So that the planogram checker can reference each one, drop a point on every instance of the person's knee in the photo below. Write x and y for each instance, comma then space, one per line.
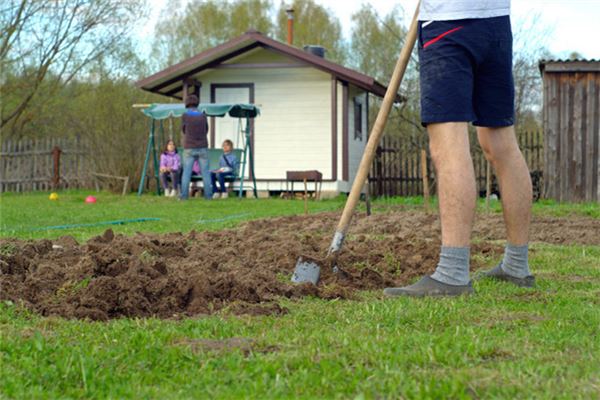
489, 151
498, 143
448, 141
498, 149
443, 155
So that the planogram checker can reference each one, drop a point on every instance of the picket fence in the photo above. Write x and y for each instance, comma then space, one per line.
44, 164
396, 169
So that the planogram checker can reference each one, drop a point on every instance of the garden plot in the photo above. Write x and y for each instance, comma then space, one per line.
245, 270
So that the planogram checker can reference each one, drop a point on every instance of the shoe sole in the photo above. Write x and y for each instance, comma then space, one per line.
429, 294
520, 282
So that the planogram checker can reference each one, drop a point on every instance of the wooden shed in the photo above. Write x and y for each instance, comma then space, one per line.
313, 111
572, 129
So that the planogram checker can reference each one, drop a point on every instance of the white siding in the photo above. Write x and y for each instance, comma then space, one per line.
293, 131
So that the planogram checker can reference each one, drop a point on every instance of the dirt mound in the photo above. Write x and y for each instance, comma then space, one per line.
245, 270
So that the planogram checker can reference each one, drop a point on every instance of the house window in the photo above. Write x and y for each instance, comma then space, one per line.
358, 134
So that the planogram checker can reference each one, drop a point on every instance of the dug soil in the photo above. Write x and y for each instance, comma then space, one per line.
245, 270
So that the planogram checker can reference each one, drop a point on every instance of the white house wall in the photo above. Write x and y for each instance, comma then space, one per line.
293, 131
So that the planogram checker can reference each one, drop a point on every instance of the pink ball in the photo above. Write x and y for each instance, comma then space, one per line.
90, 199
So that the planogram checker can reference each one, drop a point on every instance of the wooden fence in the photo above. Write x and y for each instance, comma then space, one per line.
44, 164
572, 125
396, 170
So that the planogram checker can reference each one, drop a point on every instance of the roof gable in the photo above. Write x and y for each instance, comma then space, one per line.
261, 55
170, 80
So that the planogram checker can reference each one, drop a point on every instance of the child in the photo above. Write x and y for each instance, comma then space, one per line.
227, 167
170, 163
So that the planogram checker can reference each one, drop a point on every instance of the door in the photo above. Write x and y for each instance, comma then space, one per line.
227, 127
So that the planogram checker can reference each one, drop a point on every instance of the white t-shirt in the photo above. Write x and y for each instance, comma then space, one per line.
443, 10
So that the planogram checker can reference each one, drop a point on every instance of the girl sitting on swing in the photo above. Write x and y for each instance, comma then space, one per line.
227, 168
170, 166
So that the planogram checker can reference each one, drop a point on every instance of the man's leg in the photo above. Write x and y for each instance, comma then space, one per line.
204, 169
188, 163
502, 151
450, 151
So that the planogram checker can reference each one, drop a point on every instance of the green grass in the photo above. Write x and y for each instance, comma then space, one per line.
33, 216
29, 216
503, 342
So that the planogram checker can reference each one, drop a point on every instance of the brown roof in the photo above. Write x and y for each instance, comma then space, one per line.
170, 80
577, 65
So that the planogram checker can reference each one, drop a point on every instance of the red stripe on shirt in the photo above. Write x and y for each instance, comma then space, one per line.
432, 41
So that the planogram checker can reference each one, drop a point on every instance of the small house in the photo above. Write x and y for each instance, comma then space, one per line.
313, 111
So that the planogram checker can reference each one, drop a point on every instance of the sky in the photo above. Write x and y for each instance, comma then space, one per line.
564, 26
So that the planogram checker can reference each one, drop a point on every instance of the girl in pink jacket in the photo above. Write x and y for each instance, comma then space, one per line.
170, 169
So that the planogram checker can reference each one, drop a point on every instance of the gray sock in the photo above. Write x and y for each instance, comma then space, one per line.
453, 267
515, 262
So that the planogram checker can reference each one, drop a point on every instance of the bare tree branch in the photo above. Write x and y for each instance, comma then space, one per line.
54, 41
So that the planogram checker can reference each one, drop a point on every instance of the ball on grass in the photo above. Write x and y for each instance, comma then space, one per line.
53, 196
90, 199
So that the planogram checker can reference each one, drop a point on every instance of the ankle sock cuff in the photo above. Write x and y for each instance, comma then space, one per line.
453, 267
516, 260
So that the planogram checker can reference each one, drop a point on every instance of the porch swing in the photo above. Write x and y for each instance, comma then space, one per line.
160, 112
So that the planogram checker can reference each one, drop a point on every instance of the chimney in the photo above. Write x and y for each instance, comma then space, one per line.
290, 18
318, 51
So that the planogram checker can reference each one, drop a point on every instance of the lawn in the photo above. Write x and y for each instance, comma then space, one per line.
503, 342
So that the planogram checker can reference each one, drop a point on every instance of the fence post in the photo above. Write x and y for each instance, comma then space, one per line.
367, 197
56, 170
379, 170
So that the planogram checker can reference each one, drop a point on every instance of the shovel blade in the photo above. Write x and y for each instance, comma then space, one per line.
306, 271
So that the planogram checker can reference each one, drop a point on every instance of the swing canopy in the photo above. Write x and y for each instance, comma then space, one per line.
239, 110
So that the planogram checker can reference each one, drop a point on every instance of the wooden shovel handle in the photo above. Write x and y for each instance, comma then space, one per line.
377, 131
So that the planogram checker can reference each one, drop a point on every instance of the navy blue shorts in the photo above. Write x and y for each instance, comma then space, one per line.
466, 71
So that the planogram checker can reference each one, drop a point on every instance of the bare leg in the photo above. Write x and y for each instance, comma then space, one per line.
449, 146
502, 151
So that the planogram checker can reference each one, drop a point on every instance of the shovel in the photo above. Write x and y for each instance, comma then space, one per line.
309, 270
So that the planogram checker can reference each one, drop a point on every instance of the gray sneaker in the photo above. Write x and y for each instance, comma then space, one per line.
498, 273
428, 286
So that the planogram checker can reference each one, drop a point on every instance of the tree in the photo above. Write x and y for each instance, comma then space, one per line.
526, 74
46, 44
376, 42
376, 45
203, 24
313, 25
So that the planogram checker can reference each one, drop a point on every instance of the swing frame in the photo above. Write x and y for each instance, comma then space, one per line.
159, 112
